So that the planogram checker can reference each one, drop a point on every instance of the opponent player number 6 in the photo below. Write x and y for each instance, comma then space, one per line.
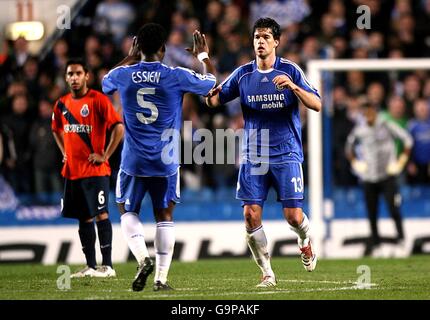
146, 104
101, 197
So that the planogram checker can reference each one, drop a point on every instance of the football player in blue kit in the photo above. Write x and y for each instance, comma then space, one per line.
151, 96
270, 89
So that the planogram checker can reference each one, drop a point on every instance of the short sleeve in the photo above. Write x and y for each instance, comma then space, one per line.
299, 78
230, 88
109, 82
191, 81
56, 122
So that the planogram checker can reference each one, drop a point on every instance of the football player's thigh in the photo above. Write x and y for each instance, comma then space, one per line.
288, 180
131, 191
159, 190
253, 184
96, 190
73, 202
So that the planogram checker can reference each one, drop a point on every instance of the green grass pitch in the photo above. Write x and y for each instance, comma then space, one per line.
232, 279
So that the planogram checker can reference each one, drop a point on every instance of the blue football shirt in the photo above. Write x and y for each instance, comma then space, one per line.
151, 95
272, 120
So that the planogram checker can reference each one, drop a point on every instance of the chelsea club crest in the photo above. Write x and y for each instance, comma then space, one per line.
280, 88
85, 111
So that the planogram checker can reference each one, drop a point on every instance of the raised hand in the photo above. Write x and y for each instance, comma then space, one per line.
134, 49
199, 44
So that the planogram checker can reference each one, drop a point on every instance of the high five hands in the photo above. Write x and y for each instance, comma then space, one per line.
199, 44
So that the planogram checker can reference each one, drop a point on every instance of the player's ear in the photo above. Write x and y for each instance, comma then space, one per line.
276, 43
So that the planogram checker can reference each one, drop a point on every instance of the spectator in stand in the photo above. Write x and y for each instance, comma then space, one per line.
18, 164
396, 114
30, 74
376, 95
419, 128
45, 155
117, 16
411, 92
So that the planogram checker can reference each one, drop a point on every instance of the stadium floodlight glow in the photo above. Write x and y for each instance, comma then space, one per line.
30, 30
318, 206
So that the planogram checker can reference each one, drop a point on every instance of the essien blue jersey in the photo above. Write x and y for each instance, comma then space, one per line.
268, 108
151, 96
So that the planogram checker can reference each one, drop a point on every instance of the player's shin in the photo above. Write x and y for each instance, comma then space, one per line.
164, 245
132, 230
87, 234
302, 231
257, 242
104, 228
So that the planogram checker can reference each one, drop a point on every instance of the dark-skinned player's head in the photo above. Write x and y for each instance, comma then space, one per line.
151, 39
268, 23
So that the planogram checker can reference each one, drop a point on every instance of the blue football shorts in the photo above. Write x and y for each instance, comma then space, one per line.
131, 190
254, 183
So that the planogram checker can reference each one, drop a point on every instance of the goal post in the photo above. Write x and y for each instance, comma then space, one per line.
318, 206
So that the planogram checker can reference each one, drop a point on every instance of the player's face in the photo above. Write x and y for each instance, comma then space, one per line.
76, 77
264, 43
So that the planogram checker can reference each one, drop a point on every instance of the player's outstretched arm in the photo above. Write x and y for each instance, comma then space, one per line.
309, 99
212, 99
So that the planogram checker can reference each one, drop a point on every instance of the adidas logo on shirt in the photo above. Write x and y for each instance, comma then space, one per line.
264, 79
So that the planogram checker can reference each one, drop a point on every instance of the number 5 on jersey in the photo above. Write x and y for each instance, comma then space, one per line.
147, 105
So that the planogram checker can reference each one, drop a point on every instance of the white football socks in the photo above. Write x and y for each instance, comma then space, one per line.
164, 244
302, 231
257, 242
132, 229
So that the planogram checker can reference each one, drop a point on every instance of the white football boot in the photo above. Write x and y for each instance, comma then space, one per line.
267, 282
85, 272
105, 272
309, 258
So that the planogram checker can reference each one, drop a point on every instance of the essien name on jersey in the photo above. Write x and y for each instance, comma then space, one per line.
146, 76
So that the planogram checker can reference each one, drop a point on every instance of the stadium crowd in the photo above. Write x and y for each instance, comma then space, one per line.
314, 29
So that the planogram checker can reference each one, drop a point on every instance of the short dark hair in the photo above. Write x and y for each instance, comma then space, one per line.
78, 61
267, 22
150, 38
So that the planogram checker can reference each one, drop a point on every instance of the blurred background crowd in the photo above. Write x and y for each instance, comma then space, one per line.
315, 29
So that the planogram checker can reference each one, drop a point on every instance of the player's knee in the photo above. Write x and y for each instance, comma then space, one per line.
252, 218
163, 215
293, 217
102, 216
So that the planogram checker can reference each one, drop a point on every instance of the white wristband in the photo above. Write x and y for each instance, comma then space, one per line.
202, 55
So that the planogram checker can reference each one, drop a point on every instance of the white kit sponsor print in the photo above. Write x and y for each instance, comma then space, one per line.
198, 240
